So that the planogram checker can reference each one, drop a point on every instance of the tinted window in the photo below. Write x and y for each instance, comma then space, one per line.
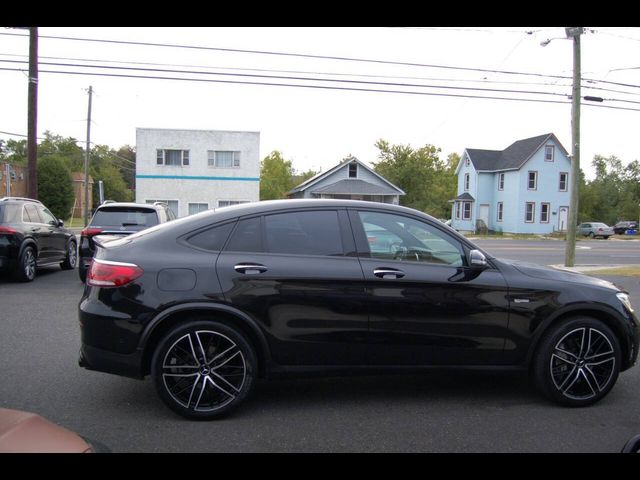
395, 237
47, 216
212, 238
30, 214
125, 216
305, 233
247, 237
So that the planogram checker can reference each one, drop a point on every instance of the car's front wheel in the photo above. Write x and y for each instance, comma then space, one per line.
577, 362
203, 369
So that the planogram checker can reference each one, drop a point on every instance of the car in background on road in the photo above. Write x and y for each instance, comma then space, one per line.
31, 237
209, 303
119, 219
621, 227
595, 229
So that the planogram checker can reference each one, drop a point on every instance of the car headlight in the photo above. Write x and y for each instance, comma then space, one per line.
624, 298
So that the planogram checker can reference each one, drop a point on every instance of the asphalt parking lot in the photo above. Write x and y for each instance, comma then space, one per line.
431, 412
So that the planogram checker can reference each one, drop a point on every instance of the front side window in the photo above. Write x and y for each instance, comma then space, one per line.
304, 233
532, 181
47, 216
395, 237
223, 158
529, 212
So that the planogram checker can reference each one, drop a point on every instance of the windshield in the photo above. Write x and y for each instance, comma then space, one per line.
124, 217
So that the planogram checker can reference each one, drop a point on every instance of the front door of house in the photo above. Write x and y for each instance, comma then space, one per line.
563, 217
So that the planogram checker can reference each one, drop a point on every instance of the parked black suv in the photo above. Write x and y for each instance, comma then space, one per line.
31, 236
208, 303
121, 219
621, 227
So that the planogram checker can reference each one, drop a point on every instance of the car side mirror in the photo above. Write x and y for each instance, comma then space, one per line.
60, 223
477, 259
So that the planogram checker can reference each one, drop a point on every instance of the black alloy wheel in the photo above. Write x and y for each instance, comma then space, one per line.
578, 362
203, 369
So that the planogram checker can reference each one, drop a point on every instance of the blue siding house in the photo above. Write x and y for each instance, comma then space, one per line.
522, 189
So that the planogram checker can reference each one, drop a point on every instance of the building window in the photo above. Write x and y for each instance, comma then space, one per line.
466, 162
173, 204
532, 182
227, 203
197, 207
548, 153
172, 157
353, 170
466, 182
544, 212
458, 210
564, 176
500, 211
466, 210
529, 212
223, 158
501, 181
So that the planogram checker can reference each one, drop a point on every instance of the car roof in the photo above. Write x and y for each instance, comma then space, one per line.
150, 206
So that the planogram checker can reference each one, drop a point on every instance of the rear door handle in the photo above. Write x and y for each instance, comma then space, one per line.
250, 268
388, 273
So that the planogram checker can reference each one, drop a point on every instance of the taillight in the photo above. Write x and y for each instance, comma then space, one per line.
8, 230
90, 231
103, 273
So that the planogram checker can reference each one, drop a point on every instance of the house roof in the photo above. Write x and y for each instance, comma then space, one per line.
464, 197
355, 187
511, 158
322, 175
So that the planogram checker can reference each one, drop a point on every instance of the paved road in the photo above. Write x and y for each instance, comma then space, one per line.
434, 412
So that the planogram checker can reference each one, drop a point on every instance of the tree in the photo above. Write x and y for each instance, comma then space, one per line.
55, 187
276, 176
428, 181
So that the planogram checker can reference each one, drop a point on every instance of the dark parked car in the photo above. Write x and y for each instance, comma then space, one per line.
31, 237
209, 303
621, 228
119, 219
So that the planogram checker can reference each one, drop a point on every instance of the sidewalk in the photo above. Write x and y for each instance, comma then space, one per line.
594, 268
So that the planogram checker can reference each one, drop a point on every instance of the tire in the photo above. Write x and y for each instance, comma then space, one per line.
203, 370
577, 362
592, 235
71, 258
27, 264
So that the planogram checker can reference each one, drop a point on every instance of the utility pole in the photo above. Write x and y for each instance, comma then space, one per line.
570, 251
86, 163
32, 121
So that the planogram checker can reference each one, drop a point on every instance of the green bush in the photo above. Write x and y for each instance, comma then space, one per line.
55, 186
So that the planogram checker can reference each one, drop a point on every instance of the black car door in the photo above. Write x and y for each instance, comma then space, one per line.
426, 306
57, 236
297, 274
39, 231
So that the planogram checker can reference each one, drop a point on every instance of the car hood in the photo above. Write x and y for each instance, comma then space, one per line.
554, 274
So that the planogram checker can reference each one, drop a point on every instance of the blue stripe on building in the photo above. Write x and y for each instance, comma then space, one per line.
195, 177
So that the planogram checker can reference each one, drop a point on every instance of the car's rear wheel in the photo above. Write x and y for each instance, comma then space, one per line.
71, 258
203, 369
577, 362
27, 265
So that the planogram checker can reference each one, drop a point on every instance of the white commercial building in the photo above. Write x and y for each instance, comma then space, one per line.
195, 170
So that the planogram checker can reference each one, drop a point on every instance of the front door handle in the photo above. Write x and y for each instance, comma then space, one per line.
250, 268
388, 273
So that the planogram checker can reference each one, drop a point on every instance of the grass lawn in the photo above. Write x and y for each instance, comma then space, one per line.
628, 271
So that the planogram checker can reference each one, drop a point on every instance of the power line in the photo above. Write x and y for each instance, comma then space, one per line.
324, 87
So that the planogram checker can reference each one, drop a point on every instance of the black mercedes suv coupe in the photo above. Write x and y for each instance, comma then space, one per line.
209, 303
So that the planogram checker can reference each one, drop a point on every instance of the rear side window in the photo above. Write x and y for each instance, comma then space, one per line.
304, 233
124, 217
212, 238
247, 236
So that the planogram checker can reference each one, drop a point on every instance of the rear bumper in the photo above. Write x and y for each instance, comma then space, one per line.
99, 360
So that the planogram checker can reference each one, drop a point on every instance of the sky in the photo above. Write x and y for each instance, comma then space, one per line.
317, 127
